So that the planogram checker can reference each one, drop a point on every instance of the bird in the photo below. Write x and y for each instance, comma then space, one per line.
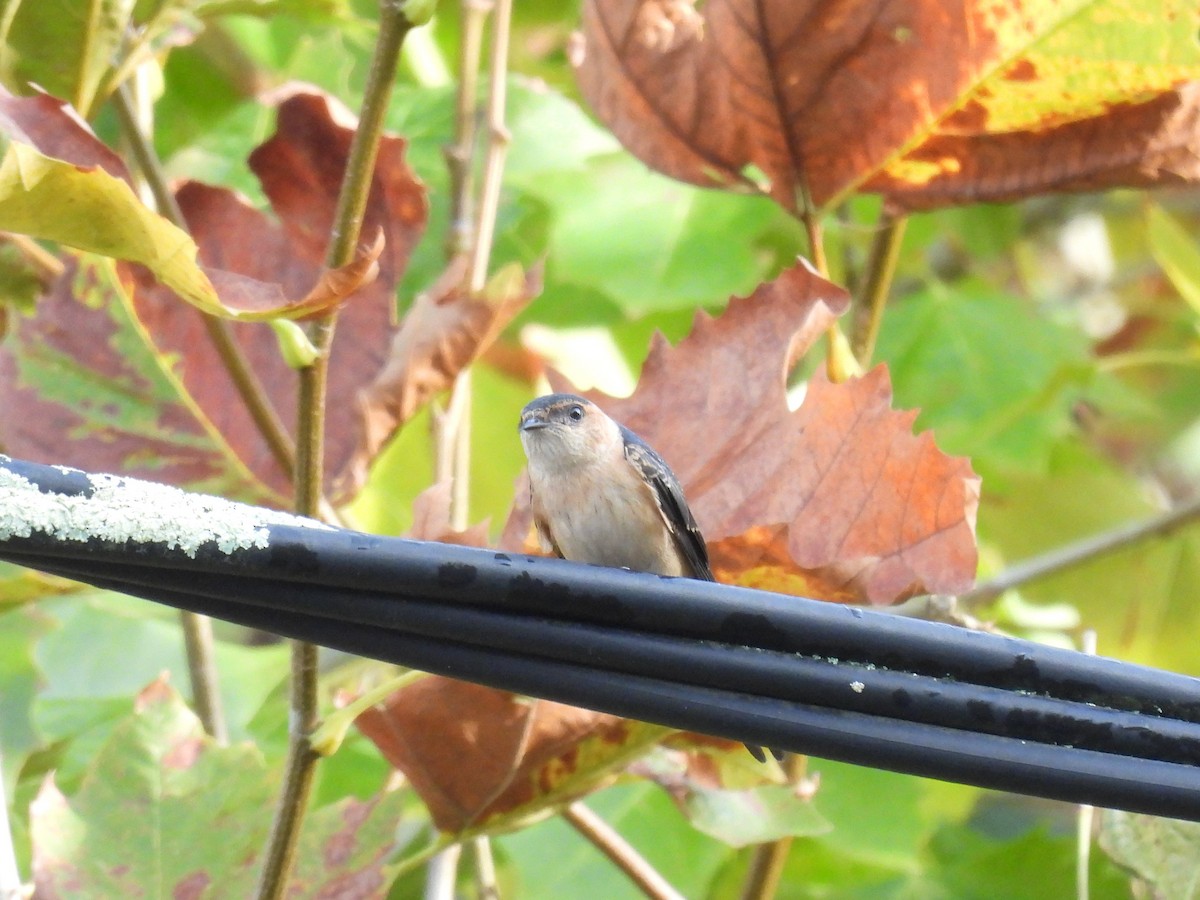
602, 495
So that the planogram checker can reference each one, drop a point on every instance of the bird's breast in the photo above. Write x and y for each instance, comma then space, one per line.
606, 518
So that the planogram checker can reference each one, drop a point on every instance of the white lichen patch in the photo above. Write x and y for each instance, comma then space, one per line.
124, 509
857, 686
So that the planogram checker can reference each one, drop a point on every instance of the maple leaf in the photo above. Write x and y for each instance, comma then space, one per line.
474, 753
157, 401
926, 102
836, 500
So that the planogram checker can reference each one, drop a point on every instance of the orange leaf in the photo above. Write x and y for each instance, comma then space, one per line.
928, 102
473, 752
837, 499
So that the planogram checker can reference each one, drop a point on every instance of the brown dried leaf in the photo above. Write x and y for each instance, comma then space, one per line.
928, 102
207, 438
444, 332
431, 520
837, 499
474, 753
54, 128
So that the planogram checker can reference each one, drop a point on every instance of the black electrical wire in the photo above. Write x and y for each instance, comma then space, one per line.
815, 681
1061, 773
777, 671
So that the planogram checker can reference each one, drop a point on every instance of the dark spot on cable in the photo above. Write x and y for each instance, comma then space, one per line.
455, 575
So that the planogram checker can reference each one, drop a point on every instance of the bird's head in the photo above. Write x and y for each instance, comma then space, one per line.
562, 431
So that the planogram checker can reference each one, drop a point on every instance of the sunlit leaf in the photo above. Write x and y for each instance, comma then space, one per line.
926, 103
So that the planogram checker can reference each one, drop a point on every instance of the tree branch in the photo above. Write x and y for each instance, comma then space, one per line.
881, 269
197, 631
606, 839
344, 236
1081, 552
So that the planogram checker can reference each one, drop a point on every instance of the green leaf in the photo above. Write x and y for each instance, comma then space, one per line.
20, 629
91, 210
646, 817
80, 673
1036, 864
653, 244
742, 818
992, 380
1141, 600
1177, 252
66, 47
161, 807
1162, 852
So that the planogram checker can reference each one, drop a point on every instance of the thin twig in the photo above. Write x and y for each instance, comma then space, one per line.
245, 381
485, 869
10, 875
48, 267
481, 248
1080, 552
344, 238
442, 874
881, 269
766, 866
605, 838
459, 154
497, 148
202, 670
839, 362
197, 631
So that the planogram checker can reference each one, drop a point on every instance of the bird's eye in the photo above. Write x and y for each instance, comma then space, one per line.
576, 413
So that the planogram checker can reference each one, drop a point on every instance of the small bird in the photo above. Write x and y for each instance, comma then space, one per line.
602, 495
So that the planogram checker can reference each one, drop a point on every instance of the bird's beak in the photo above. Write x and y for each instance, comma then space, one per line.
530, 422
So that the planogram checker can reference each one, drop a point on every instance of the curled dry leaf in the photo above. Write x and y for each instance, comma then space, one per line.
836, 500
446, 330
474, 753
927, 102
174, 412
60, 183
431, 520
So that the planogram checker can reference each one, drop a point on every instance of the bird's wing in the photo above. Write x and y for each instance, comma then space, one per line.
671, 503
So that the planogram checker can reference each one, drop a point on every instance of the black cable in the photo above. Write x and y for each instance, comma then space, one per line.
679, 607
820, 682
1062, 773
763, 668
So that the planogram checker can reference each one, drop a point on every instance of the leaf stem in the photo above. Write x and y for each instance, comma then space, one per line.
606, 839
202, 672
10, 875
394, 26
497, 148
485, 868
458, 419
197, 631
245, 381
881, 270
766, 866
839, 362
459, 154
49, 268
1080, 552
